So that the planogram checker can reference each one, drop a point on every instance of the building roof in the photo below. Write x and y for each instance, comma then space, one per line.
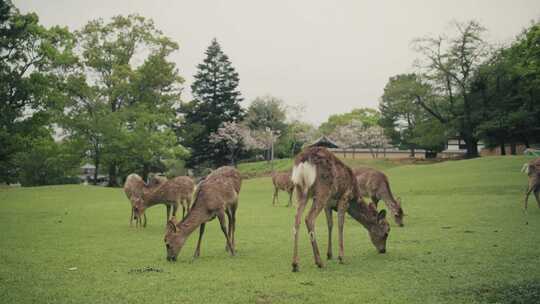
324, 141
88, 166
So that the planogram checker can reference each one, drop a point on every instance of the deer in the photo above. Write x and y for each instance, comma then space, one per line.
282, 181
532, 169
159, 190
320, 175
374, 184
216, 196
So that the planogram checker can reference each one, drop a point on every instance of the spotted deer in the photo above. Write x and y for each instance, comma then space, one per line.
159, 190
282, 181
320, 175
374, 184
532, 169
216, 196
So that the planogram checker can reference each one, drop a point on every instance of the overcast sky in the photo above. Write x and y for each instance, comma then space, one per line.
331, 56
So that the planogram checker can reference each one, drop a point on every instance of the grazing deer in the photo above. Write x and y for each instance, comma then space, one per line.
533, 171
319, 174
282, 181
374, 184
159, 190
216, 196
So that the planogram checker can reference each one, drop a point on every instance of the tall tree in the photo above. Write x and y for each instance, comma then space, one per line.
368, 117
449, 64
122, 97
403, 120
508, 87
32, 61
216, 101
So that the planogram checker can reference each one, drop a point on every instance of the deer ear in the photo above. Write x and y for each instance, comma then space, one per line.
171, 226
381, 215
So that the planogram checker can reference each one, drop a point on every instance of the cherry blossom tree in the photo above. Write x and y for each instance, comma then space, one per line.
234, 137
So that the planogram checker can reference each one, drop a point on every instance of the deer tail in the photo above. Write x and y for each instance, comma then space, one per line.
303, 175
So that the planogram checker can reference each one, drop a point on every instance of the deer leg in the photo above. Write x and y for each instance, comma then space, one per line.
188, 203
144, 219
302, 201
529, 190
537, 195
221, 217
168, 212
290, 198
316, 208
375, 200
229, 230
330, 223
276, 197
341, 224
198, 249
233, 215
131, 218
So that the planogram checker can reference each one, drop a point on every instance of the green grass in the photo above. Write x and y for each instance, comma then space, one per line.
465, 241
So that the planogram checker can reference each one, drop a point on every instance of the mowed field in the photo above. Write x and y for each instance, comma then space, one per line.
464, 241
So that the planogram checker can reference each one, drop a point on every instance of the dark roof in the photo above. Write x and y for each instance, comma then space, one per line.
324, 141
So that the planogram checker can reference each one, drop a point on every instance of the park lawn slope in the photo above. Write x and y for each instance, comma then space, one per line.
464, 241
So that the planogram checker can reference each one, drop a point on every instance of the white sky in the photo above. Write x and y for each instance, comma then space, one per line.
331, 56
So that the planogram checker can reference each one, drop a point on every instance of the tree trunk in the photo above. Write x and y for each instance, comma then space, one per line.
146, 171
96, 170
112, 176
513, 148
503, 148
413, 154
472, 146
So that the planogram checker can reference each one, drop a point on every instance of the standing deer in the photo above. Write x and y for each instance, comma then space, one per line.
159, 190
533, 171
282, 181
319, 174
374, 184
216, 196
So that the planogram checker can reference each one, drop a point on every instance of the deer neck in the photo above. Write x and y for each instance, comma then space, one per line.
360, 211
193, 220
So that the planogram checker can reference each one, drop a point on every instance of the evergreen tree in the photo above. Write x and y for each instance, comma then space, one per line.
216, 101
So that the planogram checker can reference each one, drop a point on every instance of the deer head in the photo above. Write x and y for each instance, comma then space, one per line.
378, 231
174, 240
138, 208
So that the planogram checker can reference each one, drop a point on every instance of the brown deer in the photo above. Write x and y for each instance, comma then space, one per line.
216, 196
159, 190
319, 174
533, 171
374, 184
282, 181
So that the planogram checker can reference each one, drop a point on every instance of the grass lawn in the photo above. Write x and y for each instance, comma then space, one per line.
464, 241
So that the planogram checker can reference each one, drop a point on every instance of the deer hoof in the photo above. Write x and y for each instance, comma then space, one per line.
329, 256
295, 267
320, 265
341, 260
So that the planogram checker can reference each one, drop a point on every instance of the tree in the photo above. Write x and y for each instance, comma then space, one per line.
267, 112
120, 108
216, 101
507, 86
367, 116
234, 137
409, 125
32, 61
374, 139
449, 65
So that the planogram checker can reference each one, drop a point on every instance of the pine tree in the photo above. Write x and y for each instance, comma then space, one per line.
216, 100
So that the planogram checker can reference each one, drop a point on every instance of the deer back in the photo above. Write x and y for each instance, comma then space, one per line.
218, 190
